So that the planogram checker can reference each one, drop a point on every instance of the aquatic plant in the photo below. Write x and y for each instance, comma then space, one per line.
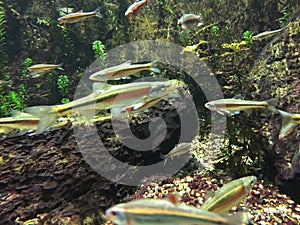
62, 83
43, 21
215, 30
13, 101
286, 13
27, 62
185, 37
99, 49
248, 37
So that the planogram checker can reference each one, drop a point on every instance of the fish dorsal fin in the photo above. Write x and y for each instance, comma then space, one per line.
18, 114
80, 11
128, 62
209, 194
99, 86
173, 198
239, 96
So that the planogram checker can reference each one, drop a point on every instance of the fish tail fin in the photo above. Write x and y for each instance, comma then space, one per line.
272, 103
153, 67
98, 13
162, 156
60, 66
287, 126
46, 114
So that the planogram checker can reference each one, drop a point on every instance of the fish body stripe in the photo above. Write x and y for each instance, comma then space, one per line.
239, 105
236, 194
102, 100
174, 214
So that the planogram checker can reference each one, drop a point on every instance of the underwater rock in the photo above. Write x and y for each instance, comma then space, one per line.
276, 75
45, 178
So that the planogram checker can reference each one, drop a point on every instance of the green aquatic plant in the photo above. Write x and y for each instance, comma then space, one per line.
186, 37
13, 101
43, 21
100, 52
27, 63
215, 30
99, 48
63, 83
248, 37
286, 13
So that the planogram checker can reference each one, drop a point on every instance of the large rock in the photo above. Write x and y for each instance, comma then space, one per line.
276, 75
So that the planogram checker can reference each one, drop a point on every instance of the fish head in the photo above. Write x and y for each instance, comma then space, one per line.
129, 13
161, 89
61, 20
99, 76
116, 215
249, 182
210, 106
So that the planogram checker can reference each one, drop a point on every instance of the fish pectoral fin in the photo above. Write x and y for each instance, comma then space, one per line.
100, 86
35, 75
155, 70
117, 110
227, 113
248, 111
173, 198
183, 26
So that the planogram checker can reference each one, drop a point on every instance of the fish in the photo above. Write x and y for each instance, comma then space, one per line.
123, 71
229, 195
39, 69
232, 106
79, 16
188, 21
289, 121
179, 149
166, 212
5, 83
135, 8
24, 122
111, 5
115, 97
267, 34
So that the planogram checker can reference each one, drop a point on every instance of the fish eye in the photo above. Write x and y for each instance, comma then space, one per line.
114, 213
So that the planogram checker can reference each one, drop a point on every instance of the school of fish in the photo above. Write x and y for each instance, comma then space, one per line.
138, 96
